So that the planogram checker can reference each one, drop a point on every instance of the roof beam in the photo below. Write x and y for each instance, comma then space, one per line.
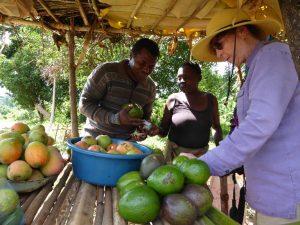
82, 13
95, 7
134, 12
46, 7
59, 26
171, 6
196, 11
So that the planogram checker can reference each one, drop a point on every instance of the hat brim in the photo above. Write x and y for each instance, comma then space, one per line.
203, 52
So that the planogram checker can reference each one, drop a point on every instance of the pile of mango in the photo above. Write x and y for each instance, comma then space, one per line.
28, 154
104, 144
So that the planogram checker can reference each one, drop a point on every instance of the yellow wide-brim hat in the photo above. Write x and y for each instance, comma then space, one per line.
227, 19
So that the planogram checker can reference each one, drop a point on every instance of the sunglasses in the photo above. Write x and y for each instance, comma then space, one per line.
217, 45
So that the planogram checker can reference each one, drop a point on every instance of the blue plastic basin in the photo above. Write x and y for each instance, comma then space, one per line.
103, 168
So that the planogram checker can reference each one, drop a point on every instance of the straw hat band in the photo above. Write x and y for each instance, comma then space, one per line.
233, 25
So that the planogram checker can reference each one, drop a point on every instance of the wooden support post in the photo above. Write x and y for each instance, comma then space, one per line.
72, 82
290, 10
224, 194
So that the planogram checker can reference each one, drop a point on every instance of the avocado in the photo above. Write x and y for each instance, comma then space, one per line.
178, 210
150, 163
200, 196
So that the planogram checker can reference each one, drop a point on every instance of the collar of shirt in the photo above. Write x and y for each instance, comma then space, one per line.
125, 64
254, 52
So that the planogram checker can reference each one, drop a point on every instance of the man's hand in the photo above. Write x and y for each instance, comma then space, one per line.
125, 119
138, 136
154, 130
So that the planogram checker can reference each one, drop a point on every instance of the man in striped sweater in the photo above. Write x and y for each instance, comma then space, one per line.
113, 84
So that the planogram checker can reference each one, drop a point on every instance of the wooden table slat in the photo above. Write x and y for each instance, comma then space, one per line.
55, 213
29, 200
117, 219
83, 210
68, 203
23, 197
99, 206
36, 203
107, 216
46, 207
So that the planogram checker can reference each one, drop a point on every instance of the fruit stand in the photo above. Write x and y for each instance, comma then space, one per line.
67, 200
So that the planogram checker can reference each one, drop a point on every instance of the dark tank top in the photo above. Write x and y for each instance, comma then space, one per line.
190, 128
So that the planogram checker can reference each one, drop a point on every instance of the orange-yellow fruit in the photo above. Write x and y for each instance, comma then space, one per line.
82, 144
112, 146
55, 163
19, 171
36, 175
113, 152
96, 148
20, 127
36, 154
10, 150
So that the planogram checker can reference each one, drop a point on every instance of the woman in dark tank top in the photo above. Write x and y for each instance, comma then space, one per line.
189, 115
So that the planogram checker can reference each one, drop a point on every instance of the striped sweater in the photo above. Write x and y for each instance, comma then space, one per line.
108, 88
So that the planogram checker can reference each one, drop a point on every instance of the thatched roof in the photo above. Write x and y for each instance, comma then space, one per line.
168, 17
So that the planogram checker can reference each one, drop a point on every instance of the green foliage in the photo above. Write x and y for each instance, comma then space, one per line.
165, 73
158, 110
20, 76
32, 52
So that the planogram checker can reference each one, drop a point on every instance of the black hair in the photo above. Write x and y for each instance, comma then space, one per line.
195, 67
145, 43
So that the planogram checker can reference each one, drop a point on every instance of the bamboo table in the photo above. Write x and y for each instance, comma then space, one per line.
68, 200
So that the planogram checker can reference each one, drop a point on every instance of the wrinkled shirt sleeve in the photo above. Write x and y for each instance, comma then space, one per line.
271, 88
91, 96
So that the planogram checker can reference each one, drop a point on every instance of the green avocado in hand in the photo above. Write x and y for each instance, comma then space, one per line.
136, 110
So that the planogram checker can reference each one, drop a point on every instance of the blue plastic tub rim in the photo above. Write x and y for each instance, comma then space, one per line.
146, 150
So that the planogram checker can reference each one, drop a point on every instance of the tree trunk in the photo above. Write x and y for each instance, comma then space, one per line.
43, 113
72, 82
290, 10
53, 102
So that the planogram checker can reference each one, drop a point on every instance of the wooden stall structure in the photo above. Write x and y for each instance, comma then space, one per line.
86, 18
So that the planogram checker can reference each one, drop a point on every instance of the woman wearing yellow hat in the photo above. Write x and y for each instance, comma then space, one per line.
267, 139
